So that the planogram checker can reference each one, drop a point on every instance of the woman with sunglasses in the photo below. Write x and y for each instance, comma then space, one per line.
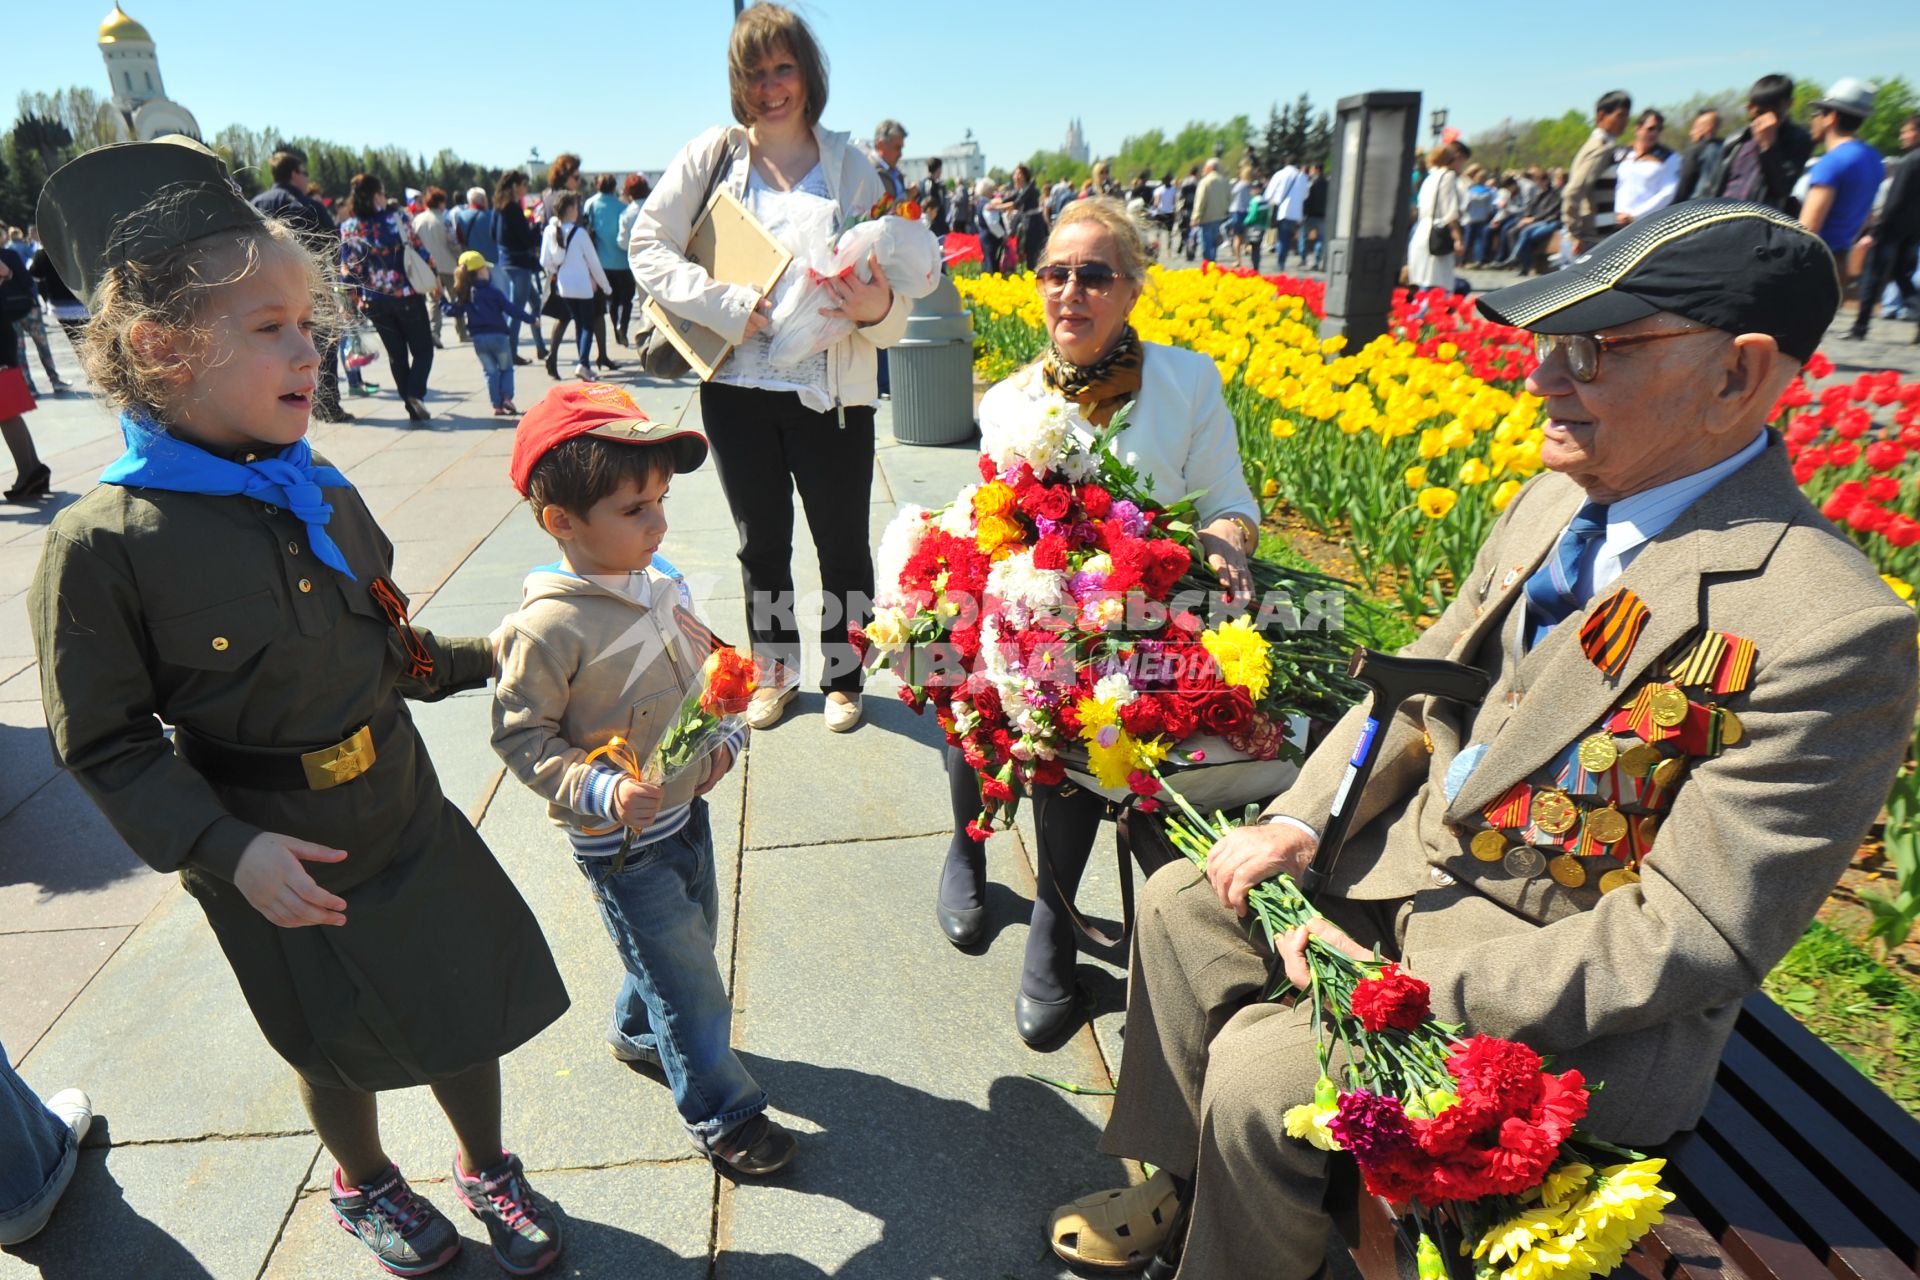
1181, 439
775, 429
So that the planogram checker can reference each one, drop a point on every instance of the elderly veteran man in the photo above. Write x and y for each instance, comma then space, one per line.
1610, 852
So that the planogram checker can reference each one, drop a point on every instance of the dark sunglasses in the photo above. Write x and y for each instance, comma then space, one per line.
1094, 277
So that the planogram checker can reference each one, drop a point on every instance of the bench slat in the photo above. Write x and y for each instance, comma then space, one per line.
1796, 1193
1680, 1248
1751, 1232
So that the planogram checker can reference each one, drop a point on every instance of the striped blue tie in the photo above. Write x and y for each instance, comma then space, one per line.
1553, 592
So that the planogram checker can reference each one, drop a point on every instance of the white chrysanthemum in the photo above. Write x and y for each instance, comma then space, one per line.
1024, 589
897, 545
1078, 467
1115, 688
1037, 430
957, 520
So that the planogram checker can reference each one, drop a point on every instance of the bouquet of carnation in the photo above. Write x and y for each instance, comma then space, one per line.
908, 254
1474, 1136
1056, 613
713, 710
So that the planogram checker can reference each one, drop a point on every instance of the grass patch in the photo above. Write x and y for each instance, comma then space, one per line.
1866, 1012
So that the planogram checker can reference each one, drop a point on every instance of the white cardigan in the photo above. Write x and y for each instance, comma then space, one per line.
576, 267
1179, 435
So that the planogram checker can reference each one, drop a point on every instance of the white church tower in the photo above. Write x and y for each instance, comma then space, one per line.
140, 108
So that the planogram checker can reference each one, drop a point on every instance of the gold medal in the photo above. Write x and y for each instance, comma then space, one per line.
1524, 862
1607, 825
1638, 760
1618, 878
1567, 871
1598, 752
1669, 707
1731, 730
1554, 812
1649, 827
1489, 846
1667, 774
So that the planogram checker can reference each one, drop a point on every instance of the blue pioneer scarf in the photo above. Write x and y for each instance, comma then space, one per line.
156, 460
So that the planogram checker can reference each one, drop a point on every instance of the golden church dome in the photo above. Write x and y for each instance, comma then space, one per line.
119, 26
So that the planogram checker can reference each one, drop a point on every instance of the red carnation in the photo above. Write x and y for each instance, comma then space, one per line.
977, 833
987, 472
1392, 999
1097, 501
1050, 552
1049, 773
1144, 717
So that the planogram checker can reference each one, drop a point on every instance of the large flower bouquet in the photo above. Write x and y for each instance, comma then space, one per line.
1475, 1136
1058, 613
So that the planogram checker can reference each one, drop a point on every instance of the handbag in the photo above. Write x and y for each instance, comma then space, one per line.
1439, 241
421, 278
552, 305
658, 356
15, 399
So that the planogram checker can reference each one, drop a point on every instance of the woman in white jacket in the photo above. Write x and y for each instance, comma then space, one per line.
567, 254
1181, 440
1437, 206
774, 429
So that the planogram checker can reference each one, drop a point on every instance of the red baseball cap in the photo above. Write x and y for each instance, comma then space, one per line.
600, 409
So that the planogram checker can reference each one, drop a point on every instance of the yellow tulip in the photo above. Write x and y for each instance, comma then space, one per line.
1504, 494
1416, 477
1436, 502
1474, 471
1282, 429
1271, 489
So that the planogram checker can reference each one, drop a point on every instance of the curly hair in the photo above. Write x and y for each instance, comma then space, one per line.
175, 292
564, 166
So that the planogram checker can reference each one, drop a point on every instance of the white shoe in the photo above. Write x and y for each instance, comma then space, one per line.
76, 1111
583, 373
768, 705
843, 716
74, 1107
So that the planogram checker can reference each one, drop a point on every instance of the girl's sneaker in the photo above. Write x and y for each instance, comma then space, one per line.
524, 1227
405, 1234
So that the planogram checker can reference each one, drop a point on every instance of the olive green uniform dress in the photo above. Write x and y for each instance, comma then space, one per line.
213, 613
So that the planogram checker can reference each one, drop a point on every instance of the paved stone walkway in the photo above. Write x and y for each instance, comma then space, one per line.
927, 1150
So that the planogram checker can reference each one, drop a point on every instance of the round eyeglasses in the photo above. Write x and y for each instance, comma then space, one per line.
1584, 349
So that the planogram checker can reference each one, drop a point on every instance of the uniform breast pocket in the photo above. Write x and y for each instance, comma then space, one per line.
650, 717
220, 637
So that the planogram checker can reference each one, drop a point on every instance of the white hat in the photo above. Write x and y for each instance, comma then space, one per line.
1854, 97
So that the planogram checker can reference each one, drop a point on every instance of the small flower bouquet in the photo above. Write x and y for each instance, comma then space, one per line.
713, 709
1474, 1136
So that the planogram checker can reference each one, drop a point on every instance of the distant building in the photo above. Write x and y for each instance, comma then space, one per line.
139, 110
1076, 147
962, 162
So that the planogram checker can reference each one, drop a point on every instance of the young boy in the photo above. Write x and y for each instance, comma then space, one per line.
599, 651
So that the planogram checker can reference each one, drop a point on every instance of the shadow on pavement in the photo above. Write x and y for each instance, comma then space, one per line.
54, 837
95, 1232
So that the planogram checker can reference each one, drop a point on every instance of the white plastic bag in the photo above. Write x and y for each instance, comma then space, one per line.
908, 254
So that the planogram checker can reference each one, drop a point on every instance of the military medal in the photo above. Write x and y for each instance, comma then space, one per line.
1511, 809
1732, 732
1524, 862
1554, 812
1669, 706
1619, 878
1567, 871
1647, 828
1612, 629
1489, 846
1736, 669
1638, 761
1667, 774
1700, 664
1598, 752
1608, 825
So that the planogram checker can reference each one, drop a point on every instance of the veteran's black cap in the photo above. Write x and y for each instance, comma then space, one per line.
1732, 264
84, 211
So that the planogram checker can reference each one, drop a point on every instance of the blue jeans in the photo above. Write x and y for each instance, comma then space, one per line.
518, 284
1209, 240
39, 1154
1283, 241
1316, 225
1532, 239
662, 911
496, 361
1477, 235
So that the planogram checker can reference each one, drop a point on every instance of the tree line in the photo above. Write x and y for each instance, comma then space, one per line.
52, 128
1294, 131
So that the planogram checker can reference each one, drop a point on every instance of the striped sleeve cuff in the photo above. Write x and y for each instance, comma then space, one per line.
599, 792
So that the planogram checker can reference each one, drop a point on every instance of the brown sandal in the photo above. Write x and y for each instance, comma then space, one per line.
1117, 1230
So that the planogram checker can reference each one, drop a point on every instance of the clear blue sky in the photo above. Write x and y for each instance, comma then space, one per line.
623, 84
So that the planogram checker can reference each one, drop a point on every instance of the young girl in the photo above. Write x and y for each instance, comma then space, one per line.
225, 581
566, 253
487, 311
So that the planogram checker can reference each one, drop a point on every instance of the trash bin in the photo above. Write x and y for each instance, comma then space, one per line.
932, 369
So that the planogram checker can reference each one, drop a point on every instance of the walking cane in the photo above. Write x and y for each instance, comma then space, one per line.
1393, 681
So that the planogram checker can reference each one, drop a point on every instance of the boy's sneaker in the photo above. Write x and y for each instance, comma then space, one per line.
405, 1234
524, 1227
755, 1147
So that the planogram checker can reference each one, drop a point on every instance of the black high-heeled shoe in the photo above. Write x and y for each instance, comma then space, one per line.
962, 925
1041, 1023
37, 483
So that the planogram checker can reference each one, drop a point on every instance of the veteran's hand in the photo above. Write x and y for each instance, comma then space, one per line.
1291, 947
637, 803
1249, 855
271, 877
722, 762
862, 301
1228, 562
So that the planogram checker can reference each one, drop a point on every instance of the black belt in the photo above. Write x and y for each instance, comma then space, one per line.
275, 769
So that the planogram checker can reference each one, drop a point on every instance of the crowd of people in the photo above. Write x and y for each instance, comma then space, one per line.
1865, 206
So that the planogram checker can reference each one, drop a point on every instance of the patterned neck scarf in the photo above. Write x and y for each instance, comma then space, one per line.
1102, 387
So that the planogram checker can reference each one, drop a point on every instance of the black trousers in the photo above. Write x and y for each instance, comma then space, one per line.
766, 444
408, 338
1889, 261
621, 278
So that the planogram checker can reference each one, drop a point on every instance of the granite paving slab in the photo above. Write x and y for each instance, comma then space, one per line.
63, 867
45, 971
26, 754
194, 1211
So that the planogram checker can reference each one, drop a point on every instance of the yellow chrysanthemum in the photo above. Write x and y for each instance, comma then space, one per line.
1436, 502
1565, 1182
1242, 654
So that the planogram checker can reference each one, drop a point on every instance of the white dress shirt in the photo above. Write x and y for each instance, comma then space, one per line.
1646, 184
1287, 194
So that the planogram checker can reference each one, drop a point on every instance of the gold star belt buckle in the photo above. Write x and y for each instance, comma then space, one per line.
342, 762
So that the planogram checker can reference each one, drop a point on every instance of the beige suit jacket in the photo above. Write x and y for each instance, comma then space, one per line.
1638, 987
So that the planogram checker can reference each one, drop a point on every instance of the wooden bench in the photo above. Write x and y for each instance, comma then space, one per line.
1801, 1169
